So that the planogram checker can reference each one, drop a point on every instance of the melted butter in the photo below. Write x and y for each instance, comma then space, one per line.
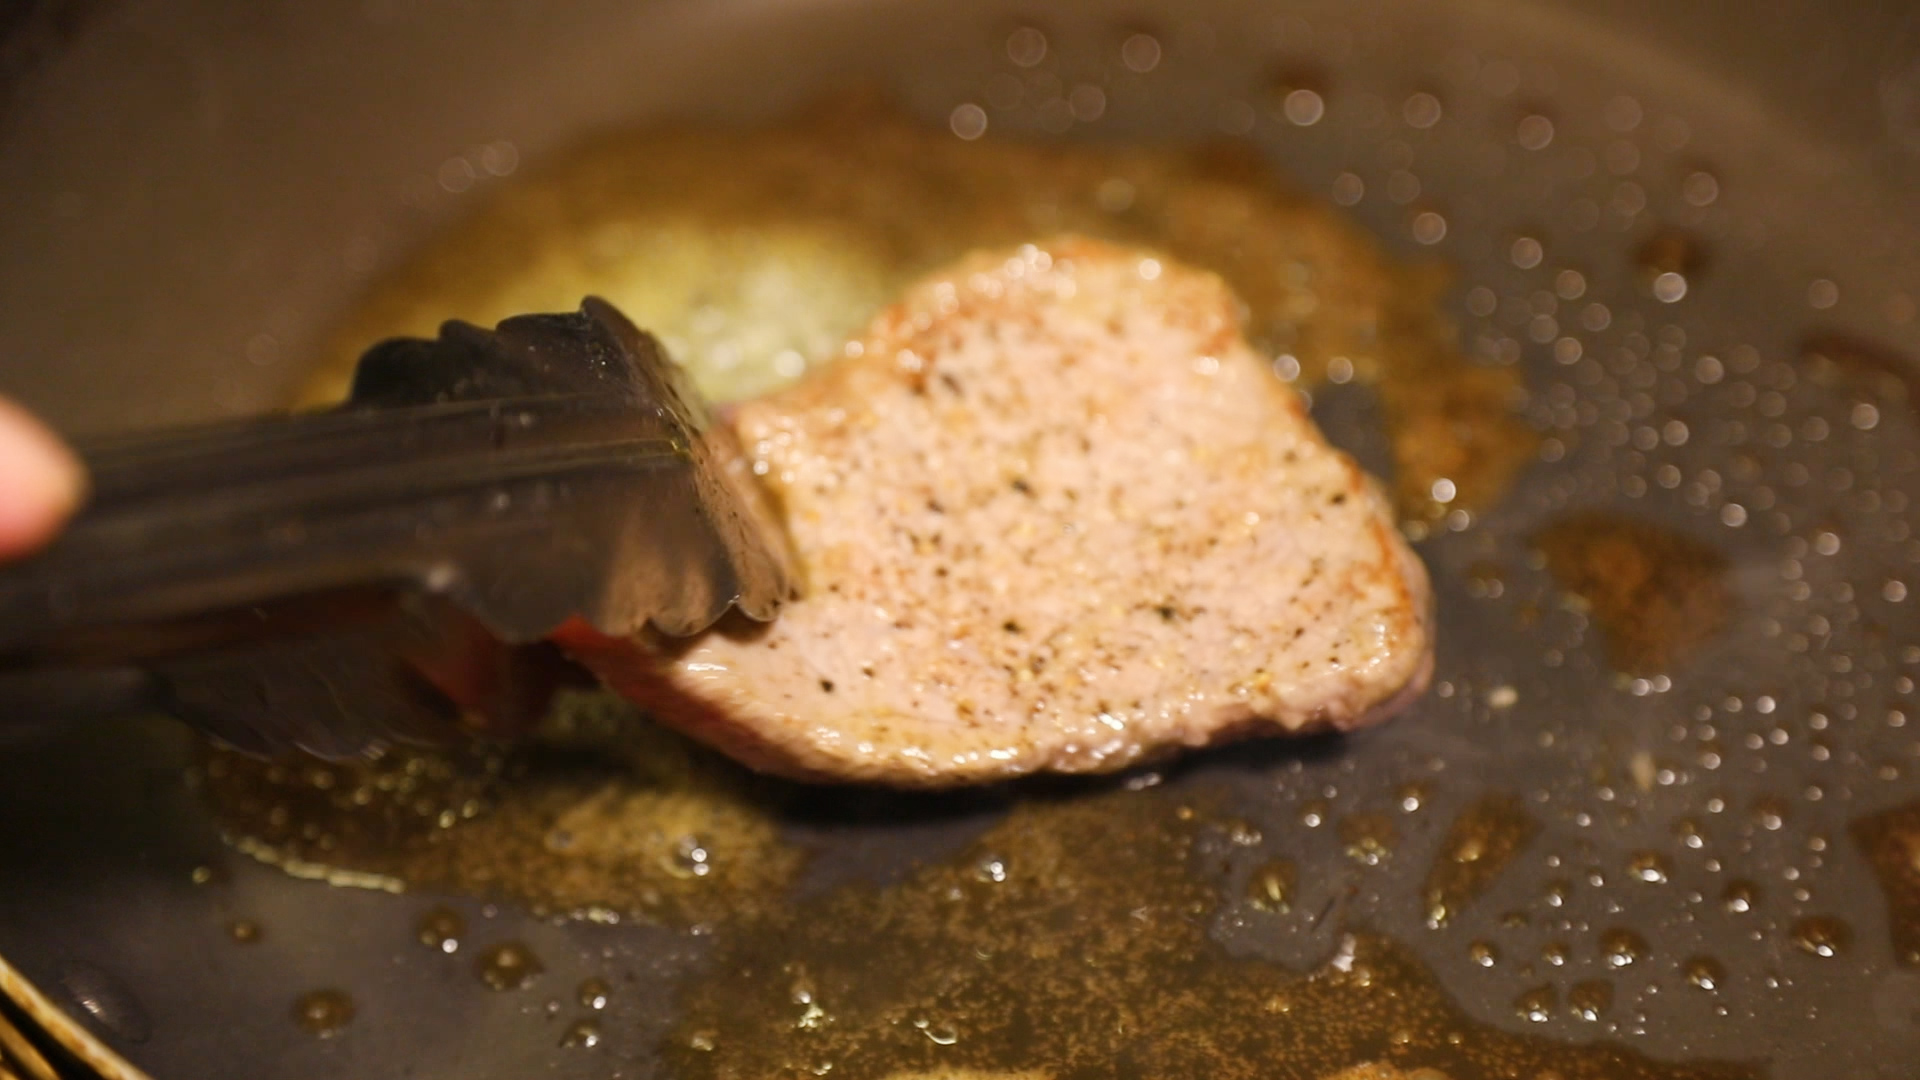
1891, 842
1658, 596
602, 816
1079, 961
755, 255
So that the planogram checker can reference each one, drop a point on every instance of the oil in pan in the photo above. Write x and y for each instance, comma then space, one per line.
1657, 817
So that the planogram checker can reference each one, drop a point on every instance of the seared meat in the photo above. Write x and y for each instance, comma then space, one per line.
1054, 513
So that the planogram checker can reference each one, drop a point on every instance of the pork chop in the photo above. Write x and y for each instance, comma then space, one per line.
1053, 513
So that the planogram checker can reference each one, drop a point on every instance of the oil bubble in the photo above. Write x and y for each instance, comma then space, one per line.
1649, 866
1534, 132
1537, 1004
508, 966
1303, 107
1620, 947
1700, 188
441, 928
1271, 886
1428, 227
1669, 287
1421, 110
1590, 999
1027, 46
1668, 260
582, 1034
323, 1013
969, 121
1770, 812
1369, 838
1704, 972
1821, 935
1140, 52
1623, 114
691, 857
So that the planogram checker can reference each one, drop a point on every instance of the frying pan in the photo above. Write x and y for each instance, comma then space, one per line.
195, 190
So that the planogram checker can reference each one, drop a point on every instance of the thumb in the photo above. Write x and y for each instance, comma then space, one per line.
41, 482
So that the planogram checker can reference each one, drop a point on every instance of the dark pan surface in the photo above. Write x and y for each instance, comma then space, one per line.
1704, 415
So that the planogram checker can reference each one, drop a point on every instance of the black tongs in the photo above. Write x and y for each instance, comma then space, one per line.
339, 580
